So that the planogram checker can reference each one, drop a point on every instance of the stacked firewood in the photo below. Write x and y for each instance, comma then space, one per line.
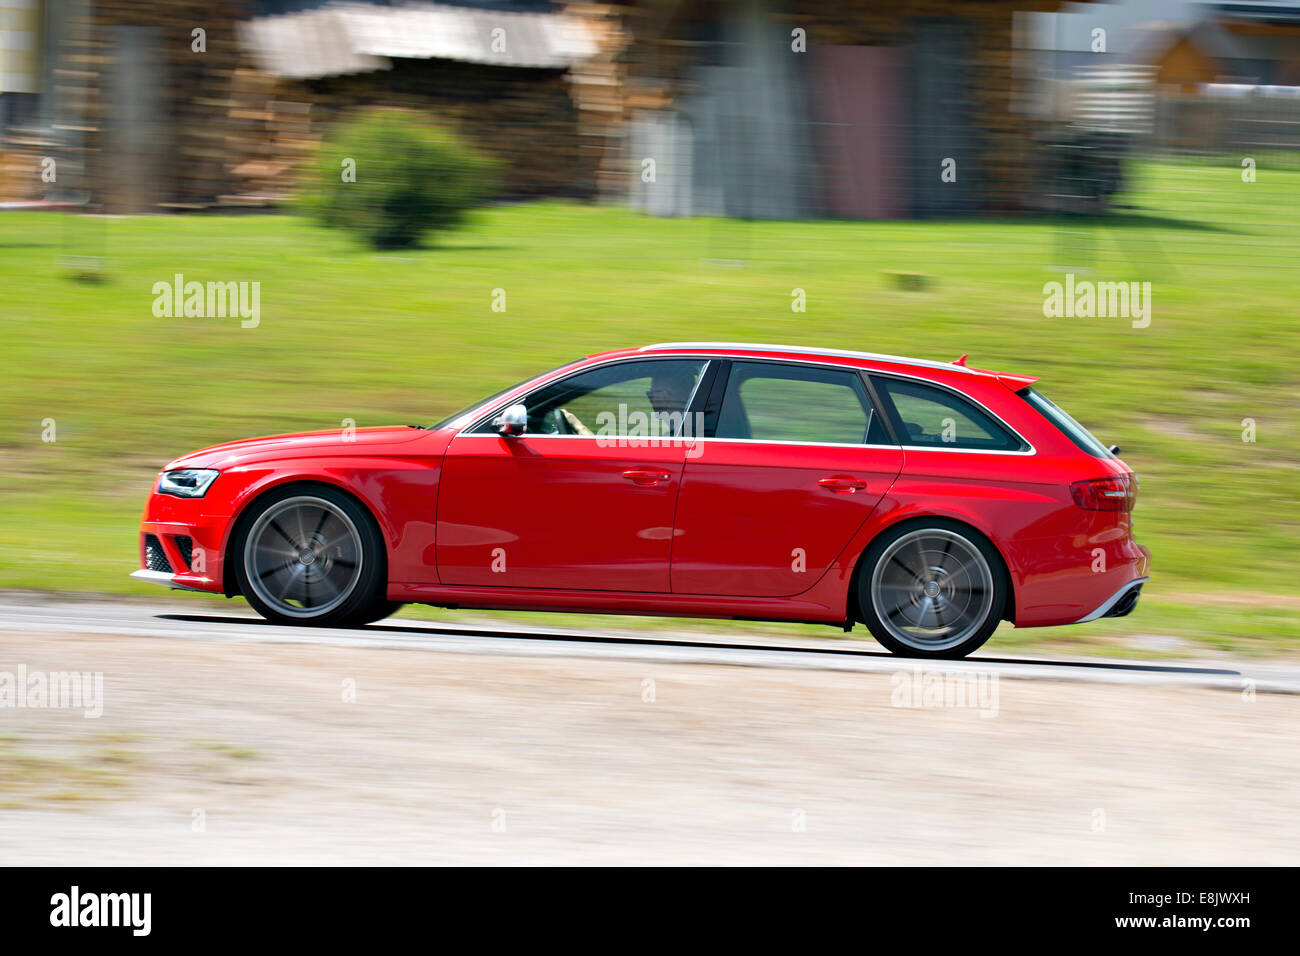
524, 118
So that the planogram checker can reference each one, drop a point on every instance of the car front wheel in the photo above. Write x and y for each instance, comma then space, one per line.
931, 590
312, 555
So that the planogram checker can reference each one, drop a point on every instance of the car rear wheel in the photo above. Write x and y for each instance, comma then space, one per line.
312, 555
932, 590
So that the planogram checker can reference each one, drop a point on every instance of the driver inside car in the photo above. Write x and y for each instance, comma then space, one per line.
668, 394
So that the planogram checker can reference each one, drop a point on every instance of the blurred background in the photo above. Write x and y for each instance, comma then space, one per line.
437, 200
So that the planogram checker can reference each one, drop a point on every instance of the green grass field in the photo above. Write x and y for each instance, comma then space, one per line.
406, 337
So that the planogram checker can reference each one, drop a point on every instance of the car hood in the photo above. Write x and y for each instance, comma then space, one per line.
336, 441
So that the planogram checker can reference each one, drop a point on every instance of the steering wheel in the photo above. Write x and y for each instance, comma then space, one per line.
553, 423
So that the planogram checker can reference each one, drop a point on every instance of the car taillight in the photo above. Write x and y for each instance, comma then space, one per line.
1106, 494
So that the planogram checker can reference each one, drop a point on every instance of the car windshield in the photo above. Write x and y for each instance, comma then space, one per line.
1065, 423
464, 412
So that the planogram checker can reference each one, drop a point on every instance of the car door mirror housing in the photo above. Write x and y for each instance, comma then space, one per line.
512, 422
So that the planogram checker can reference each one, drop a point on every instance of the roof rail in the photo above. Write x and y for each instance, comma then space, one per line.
804, 350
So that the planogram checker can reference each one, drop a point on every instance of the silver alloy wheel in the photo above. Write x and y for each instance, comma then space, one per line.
932, 589
303, 556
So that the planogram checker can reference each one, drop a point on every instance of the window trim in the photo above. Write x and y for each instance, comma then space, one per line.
710, 365
718, 363
724, 379
468, 410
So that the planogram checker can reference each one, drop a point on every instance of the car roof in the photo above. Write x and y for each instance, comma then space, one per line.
865, 359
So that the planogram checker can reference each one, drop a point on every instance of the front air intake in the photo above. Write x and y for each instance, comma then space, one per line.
155, 559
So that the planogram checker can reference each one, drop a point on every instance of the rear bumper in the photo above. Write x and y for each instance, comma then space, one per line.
1073, 580
1120, 603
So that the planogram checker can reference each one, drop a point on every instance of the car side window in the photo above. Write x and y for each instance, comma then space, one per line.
766, 401
935, 417
624, 400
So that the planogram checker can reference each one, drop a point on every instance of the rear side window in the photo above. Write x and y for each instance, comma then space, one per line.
1065, 423
766, 401
932, 417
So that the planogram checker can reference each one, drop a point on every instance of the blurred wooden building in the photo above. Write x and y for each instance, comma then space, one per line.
809, 108
182, 104
755, 108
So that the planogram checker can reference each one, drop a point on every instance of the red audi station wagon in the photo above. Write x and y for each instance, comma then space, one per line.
927, 500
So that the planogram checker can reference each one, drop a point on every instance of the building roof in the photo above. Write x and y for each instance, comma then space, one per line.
1207, 36
360, 37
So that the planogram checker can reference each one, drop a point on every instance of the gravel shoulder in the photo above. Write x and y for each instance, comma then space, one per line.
223, 753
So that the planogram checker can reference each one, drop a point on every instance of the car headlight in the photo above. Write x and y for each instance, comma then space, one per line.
186, 482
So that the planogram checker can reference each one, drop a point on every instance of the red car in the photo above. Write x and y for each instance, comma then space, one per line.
929, 501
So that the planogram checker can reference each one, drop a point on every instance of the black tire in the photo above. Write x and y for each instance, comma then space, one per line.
346, 568
931, 588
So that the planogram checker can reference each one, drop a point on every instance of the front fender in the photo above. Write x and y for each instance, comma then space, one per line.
401, 494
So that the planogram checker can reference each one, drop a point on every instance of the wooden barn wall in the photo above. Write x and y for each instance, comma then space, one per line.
166, 126
182, 95
669, 40
858, 102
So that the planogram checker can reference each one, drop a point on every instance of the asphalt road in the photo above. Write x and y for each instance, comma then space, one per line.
221, 739
859, 654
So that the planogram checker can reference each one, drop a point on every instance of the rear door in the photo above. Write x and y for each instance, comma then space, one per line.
794, 460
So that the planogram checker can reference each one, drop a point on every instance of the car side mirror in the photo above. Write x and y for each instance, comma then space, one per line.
512, 422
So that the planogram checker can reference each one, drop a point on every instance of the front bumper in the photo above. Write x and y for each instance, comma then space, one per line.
182, 546
165, 579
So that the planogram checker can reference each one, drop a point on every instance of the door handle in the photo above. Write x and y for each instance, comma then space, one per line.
843, 484
645, 478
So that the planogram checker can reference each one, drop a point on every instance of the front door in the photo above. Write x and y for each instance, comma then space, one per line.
584, 498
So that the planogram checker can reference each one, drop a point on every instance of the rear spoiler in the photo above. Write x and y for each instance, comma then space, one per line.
1011, 381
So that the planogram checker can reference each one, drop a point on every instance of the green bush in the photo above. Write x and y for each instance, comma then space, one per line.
412, 177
